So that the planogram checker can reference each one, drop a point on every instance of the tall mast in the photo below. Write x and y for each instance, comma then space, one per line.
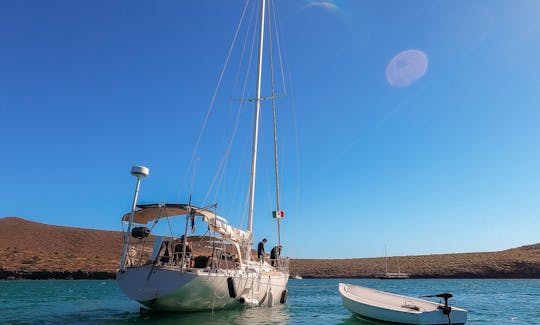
256, 125
276, 169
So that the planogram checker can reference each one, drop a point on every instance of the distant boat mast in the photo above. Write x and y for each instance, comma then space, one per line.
385, 261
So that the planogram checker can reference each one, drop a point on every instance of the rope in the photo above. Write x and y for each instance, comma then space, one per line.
168, 221
265, 292
216, 296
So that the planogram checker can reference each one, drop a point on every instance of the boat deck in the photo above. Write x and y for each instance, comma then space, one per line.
389, 300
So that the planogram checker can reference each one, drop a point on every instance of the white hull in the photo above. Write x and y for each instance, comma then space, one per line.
387, 307
393, 276
168, 289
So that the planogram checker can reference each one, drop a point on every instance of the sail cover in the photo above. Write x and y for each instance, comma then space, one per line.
151, 212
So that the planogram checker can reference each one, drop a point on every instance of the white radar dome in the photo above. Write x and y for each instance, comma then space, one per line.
140, 171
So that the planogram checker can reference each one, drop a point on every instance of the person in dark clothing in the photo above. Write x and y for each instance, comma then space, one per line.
260, 249
274, 255
165, 258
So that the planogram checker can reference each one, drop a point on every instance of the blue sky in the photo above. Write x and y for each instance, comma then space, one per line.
448, 162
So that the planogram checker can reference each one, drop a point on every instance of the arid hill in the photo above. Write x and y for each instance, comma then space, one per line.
522, 262
35, 250
28, 247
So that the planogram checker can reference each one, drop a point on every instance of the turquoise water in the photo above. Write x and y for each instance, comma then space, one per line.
311, 301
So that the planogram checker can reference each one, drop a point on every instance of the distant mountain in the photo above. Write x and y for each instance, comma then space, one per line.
27, 246
34, 250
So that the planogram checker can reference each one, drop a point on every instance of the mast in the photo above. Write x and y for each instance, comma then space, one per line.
256, 127
385, 260
274, 120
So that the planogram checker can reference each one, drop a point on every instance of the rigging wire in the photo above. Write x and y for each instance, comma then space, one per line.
276, 170
278, 47
220, 79
215, 189
220, 172
283, 60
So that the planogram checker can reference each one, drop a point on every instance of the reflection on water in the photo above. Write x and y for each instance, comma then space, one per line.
247, 316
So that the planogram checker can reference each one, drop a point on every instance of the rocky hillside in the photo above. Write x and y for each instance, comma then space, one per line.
35, 250
522, 262
28, 248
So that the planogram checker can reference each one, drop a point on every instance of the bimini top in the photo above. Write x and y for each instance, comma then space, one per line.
151, 212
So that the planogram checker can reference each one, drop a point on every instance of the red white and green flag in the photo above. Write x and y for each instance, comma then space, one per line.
278, 214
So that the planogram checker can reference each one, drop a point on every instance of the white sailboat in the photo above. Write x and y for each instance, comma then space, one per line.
391, 275
212, 271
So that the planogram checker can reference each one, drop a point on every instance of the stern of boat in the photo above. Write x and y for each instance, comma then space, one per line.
148, 283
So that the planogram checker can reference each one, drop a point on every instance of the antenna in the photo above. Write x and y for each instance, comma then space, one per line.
139, 172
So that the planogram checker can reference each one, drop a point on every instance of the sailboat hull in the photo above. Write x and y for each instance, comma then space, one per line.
195, 290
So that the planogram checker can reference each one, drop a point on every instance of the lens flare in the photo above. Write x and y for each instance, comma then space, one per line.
406, 68
323, 4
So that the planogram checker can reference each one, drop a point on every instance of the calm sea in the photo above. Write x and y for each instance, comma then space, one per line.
311, 301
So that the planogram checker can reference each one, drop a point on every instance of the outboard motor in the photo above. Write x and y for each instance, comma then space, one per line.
446, 309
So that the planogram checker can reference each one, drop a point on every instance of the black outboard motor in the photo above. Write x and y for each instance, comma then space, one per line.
446, 309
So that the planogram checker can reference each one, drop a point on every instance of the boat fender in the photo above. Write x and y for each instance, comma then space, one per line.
230, 285
248, 301
270, 298
283, 296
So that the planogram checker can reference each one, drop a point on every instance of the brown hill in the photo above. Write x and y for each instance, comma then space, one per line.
27, 247
35, 250
522, 262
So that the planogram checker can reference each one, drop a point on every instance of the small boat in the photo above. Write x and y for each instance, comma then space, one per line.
393, 276
297, 277
371, 304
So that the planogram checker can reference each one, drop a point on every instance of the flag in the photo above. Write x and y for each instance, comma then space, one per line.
278, 214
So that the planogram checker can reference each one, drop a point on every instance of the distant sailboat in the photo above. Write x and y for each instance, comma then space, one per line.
391, 275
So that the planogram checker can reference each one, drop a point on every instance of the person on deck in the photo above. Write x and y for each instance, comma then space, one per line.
260, 250
274, 255
165, 258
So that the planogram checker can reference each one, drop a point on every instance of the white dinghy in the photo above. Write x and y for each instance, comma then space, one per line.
383, 306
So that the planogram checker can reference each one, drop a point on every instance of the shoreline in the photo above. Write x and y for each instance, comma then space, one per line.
74, 253
81, 275
525, 271
55, 275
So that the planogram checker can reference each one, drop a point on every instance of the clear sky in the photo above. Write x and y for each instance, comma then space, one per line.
408, 123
